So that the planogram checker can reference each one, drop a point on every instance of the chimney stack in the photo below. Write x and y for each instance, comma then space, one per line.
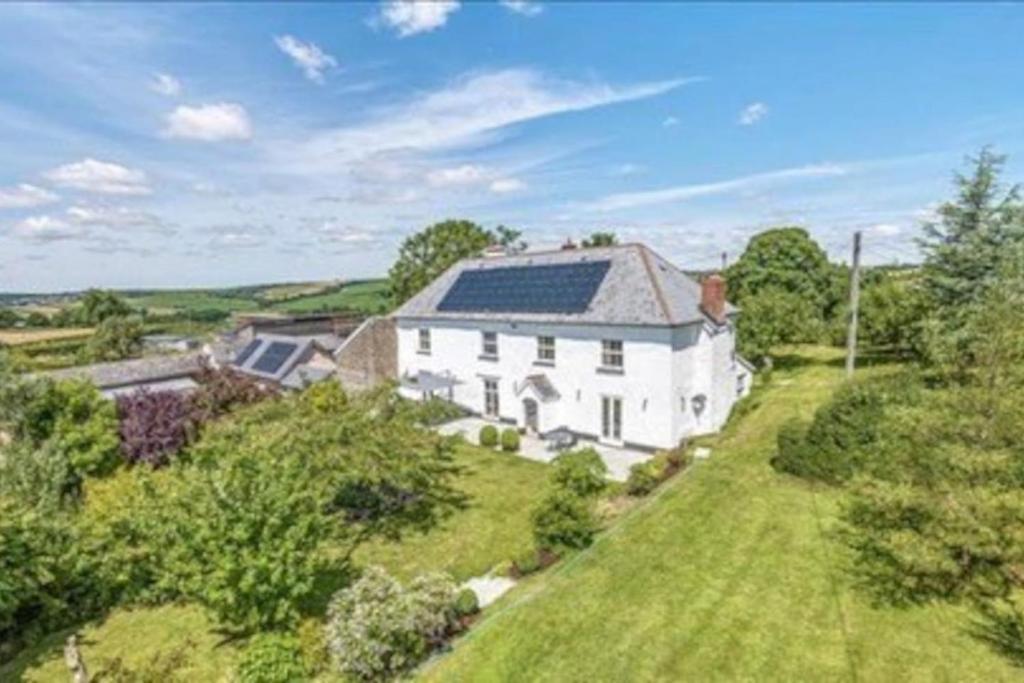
568, 244
712, 297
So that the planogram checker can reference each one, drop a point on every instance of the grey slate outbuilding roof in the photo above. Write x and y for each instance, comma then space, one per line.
148, 370
640, 288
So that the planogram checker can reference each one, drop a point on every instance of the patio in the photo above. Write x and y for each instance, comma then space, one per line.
618, 460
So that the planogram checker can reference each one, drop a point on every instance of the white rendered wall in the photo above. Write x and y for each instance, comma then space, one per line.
645, 385
663, 366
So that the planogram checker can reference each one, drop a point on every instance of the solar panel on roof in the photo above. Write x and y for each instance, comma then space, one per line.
249, 349
274, 357
552, 288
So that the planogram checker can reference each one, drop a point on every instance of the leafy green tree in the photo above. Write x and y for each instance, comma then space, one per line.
964, 247
774, 316
116, 338
100, 304
786, 260
582, 472
600, 239
510, 238
8, 318
425, 255
891, 313
564, 520
247, 537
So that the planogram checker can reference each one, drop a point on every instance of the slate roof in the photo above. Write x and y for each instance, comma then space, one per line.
293, 371
136, 371
640, 288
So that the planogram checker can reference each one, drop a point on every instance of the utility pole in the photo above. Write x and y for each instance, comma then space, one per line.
851, 334
725, 258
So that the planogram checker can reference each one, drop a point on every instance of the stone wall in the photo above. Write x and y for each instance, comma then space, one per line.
369, 356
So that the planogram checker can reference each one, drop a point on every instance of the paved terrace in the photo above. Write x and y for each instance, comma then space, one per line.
618, 460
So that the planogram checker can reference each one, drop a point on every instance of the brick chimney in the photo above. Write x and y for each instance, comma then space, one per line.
712, 297
568, 244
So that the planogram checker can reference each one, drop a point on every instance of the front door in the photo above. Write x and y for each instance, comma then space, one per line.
611, 418
530, 415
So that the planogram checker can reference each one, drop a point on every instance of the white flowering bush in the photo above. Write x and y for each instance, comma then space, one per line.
378, 629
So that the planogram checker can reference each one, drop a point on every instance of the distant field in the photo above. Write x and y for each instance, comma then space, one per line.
18, 337
370, 296
192, 300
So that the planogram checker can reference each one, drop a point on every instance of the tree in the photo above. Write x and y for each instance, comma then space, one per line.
425, 255
116, 338
964, 248
600, 239
99, 304
892, 311
786, 260
509, 238
8, 318
154, 425
774, 316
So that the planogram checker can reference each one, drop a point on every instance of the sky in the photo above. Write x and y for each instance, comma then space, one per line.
166, 145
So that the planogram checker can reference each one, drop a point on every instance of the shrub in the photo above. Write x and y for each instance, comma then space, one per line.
466, 603
436, 411
580, 472
153, 426
832, 447
526, 563
510, 441
116, 338
488, 436
222, 390
642, 479
272, 658
564, 520
377, 629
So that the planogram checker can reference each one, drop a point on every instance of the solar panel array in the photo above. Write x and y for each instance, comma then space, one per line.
274, 357
249, 349
553, 288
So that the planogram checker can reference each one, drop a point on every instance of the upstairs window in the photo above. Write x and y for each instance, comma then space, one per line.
490, 345
546, 349
611, 354
424, 341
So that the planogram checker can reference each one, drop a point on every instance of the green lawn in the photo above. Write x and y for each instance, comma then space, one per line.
192, 300
492, 529
731, 573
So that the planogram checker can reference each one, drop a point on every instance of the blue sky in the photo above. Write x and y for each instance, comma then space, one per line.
176, 145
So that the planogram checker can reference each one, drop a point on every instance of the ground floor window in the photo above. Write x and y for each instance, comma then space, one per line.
611, 418
491, 397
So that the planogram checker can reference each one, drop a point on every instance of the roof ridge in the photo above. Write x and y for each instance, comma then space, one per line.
658, 293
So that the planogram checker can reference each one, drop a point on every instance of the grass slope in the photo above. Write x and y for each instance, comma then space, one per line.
730, 573
494, 528
370, 296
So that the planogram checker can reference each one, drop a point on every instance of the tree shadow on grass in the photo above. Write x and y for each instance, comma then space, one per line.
1001, 627
41, 652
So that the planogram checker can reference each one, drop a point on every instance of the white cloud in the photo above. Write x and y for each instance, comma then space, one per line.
670, 121
118, 217
523, 7
627, 169
101, 177
209, 122
307, 56
458, 176
23, 196
886, 229
410, 17
629, 200
507, 185
462, 114
165, 84
47, 229
753, 113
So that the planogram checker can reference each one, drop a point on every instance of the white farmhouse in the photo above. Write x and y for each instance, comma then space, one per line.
612, 343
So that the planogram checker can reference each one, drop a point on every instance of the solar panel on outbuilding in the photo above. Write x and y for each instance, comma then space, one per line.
554, 288
249, 349
274, 357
